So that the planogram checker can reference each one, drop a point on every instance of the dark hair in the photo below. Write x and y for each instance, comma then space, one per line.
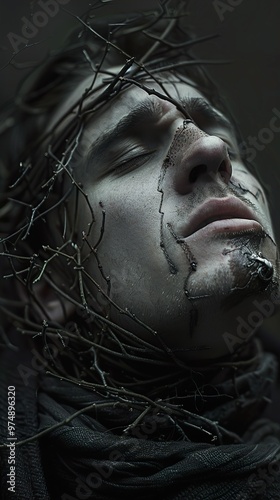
40, 162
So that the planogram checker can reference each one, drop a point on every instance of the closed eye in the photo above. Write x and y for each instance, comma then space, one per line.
131, 161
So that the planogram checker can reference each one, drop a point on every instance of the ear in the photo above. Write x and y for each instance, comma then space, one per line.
47, 304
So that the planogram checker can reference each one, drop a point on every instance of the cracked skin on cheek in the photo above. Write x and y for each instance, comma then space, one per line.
179, 142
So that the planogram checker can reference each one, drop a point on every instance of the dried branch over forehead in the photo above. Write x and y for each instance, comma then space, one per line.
91, 51
42, 245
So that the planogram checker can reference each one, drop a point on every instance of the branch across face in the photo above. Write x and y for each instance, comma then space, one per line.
178, 218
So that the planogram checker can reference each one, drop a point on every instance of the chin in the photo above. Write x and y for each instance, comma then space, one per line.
231, 300
227, 323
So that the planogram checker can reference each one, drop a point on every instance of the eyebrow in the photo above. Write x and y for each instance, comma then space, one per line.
148, 111
144, 111
199, 105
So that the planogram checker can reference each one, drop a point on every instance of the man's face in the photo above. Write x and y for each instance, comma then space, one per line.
179, 220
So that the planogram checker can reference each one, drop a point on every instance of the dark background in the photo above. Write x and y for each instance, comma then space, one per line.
249, 36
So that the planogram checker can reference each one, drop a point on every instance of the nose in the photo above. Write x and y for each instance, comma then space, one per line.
201, 158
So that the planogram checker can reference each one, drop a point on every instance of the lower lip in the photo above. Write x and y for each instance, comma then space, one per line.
228, 226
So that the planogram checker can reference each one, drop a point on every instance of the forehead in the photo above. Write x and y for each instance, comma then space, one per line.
161, 96
165, 91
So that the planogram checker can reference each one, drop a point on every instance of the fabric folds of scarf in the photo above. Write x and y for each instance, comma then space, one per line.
101, 454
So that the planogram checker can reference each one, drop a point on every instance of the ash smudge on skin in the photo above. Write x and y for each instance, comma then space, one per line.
192, 268
252, 270
172, 267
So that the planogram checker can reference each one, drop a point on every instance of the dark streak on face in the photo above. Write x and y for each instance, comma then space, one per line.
246, 267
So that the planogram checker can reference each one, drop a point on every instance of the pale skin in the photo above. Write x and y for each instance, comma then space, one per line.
169, 266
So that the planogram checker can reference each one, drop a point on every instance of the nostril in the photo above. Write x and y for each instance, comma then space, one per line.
223, 171
200, 170
196, 172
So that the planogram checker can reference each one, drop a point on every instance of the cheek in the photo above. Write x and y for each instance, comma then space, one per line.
249, 182
125, 235
254, 192
127, 207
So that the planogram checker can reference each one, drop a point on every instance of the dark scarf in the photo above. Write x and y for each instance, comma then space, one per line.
211, 445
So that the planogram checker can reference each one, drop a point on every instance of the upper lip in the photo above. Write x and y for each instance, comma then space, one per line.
218, 209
